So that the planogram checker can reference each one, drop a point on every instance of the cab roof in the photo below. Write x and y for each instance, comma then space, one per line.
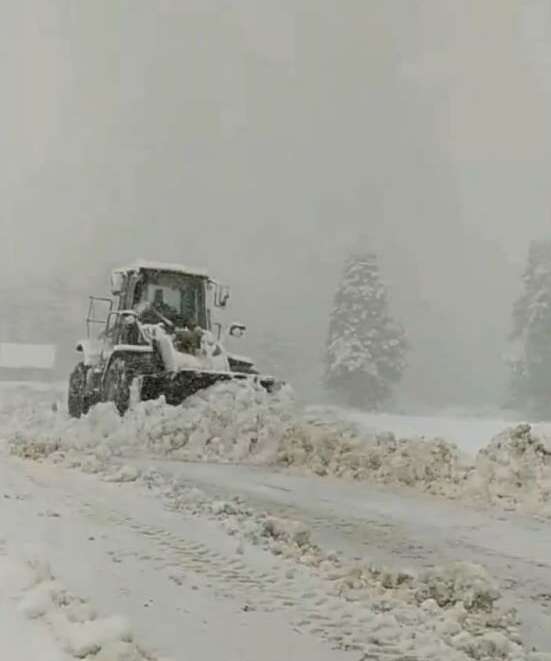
145, 265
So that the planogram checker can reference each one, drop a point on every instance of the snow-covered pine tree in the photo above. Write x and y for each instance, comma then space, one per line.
366, 348
531, 365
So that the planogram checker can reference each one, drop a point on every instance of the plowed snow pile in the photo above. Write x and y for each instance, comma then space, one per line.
228, 422
337, 450
238, 422
514, 471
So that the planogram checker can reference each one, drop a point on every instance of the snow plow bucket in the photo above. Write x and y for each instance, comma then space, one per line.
178, 386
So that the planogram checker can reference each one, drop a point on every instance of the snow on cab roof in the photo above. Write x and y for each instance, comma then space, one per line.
140, 264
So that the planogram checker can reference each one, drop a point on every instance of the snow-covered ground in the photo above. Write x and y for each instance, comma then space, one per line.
153, 557
20, 638
41, 619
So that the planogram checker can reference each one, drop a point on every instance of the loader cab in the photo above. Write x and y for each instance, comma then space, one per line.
181, 297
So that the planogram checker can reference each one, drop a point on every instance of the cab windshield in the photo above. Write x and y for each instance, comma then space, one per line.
179, 298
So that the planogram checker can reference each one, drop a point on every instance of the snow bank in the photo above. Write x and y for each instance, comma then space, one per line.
514, 471
238, 422
453, 609
229, 422
332, 449
71, 623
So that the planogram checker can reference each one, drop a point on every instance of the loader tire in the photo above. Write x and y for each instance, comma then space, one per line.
77, 402
117, 384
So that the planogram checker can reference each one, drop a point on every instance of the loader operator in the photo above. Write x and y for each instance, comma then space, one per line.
188, 333
163, 308
157, 310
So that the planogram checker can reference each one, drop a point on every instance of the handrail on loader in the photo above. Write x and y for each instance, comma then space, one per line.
91, 319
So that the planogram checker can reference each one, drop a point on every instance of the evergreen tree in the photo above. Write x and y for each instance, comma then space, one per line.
531, 366
365, 348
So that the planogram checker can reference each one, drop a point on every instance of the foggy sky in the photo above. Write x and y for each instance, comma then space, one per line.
266, 139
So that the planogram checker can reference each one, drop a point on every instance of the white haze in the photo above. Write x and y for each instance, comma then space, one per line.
266, 139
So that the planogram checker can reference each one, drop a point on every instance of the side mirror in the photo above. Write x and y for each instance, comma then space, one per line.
117, 281
237, 330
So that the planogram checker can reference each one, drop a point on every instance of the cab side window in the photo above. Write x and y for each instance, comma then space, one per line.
112, 328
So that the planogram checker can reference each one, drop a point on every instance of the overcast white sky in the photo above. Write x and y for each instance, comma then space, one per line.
266, 139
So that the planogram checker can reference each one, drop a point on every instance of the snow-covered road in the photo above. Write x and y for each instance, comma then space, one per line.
179, 581
399, 527
124, 552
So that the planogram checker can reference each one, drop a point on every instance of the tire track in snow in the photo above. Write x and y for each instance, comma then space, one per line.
259, 590
360, 532
184, 561
310, 604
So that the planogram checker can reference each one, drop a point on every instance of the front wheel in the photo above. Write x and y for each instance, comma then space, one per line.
117, 384
77, 402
